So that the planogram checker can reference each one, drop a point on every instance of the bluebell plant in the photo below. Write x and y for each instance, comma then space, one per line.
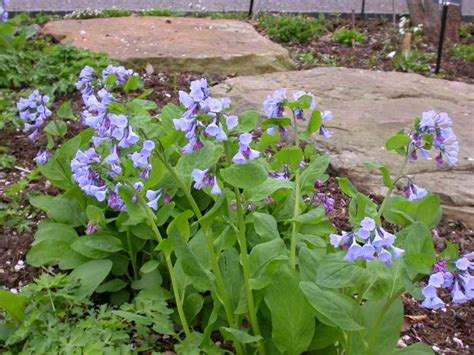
229, 223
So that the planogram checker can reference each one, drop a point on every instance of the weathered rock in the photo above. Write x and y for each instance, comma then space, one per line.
177, 43
369, 107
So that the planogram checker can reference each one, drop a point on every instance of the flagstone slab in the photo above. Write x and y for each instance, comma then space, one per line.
368, 108
176, 44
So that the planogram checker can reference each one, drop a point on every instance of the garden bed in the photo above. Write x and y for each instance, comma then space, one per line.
382, 40
448, 332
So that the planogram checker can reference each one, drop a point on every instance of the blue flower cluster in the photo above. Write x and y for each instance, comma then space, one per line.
460, 282
97, 169
274, 107
198, 102
202, 179
435, 127
414, 193
3, 11
370, 242
34, 113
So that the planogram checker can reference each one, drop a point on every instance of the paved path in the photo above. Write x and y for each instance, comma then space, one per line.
372, 6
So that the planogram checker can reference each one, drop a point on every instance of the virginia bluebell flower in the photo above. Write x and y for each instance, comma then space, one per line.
34, 112
87, 77
90, 228
43, 157
86, 177
3, 11
323, 131
371, 242
115, 201
320, 198
414, 192
113, 160
198, 102
245, 153
153, 198
299, 114
439, 126
120, 73
274, 105
141, 159
460, 282
203, 179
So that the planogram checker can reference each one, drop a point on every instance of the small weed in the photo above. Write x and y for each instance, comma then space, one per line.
305, 58
417, 62
464, 52
6, 160
464, 31
292, 28
348, 37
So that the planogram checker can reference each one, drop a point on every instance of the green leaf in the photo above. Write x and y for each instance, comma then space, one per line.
314, 171
239, 335
314, 125
293, 320
47, 252
201, 278
97, 246
245, 176
416, 349
335, 272
136, 211
156, 175
347, 187
60, 208
419, 250
56, 128
248, 121
360, 207
291, 156
400, 211
150, 280
262, 258
265, 226
229, 264
181, 225
267, 188
55, 231
65, 111
111, 286
314, 216
202, 159
193, 304
335, 308
90, 276
13, 304
387, 332
149, 266
133, 84
387, 180
95, 215
397, 141
280, 122
451, 252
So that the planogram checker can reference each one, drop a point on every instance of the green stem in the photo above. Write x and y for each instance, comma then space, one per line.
222, 293
378, 322
133, 255
390, 190
174, 283
294, 226
296, 209
246, 268
182, 187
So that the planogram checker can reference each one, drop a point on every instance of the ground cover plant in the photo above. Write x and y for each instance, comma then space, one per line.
219, 220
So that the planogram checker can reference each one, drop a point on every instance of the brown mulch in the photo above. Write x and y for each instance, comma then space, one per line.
444, 330
383, 38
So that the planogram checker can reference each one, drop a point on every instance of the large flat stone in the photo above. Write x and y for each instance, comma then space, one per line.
177, 43
368, 108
